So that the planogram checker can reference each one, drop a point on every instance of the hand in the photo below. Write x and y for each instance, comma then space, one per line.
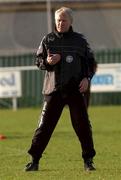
83, 86
53, 59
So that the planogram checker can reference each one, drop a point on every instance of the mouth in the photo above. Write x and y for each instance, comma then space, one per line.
62, 28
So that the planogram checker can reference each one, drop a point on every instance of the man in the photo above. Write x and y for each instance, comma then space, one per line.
65, 57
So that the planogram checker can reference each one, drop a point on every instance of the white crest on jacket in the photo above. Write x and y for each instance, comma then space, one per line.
69, 59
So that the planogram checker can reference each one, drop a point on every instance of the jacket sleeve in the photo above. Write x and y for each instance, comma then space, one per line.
90, 60
41, 56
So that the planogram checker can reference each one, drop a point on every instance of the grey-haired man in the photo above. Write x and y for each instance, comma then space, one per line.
65, 56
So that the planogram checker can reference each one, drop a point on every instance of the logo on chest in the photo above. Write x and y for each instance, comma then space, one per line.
69, 59
51, 38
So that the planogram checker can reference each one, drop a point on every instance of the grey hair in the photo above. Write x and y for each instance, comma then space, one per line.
65, 10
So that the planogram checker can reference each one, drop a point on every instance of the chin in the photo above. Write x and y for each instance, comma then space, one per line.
61, 31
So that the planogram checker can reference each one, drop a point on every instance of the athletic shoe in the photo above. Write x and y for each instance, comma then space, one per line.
32, 167
88, 165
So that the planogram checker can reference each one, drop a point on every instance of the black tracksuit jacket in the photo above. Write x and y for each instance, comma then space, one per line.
77, 61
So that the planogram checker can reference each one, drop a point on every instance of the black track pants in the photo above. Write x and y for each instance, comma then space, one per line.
51, 112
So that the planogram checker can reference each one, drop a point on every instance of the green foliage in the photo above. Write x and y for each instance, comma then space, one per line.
62, 157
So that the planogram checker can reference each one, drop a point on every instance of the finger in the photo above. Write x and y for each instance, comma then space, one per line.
48, 53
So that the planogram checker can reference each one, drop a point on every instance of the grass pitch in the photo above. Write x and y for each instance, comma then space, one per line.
61, 159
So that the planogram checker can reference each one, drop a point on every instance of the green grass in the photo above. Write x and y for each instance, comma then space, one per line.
61, 159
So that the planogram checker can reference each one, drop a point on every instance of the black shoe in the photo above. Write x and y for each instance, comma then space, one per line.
32, 167
88, 165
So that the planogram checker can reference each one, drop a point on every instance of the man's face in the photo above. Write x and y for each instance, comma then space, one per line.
62, 22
